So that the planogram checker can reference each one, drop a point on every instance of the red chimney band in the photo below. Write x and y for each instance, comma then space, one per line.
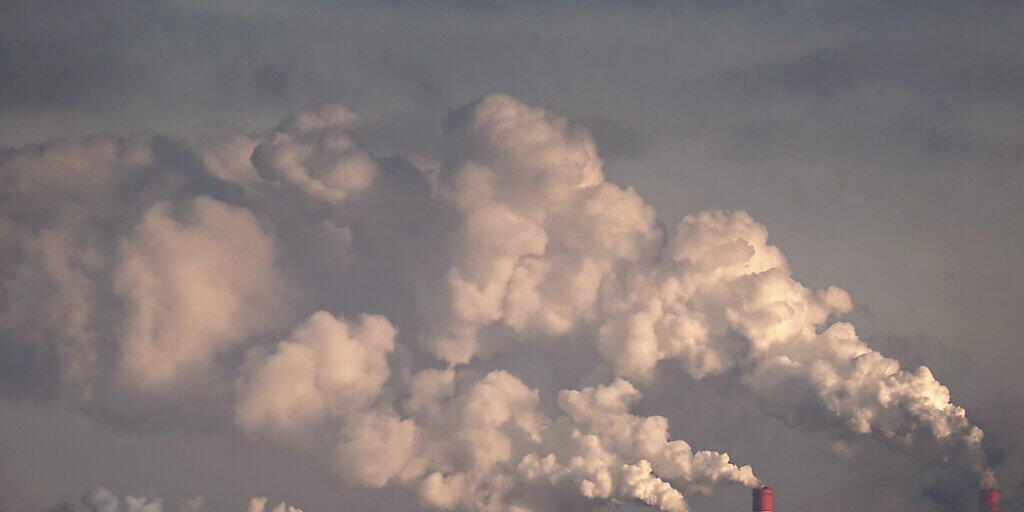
988, 500
764, 499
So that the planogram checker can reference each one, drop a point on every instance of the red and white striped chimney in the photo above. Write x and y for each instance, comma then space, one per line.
764, 499
988, 500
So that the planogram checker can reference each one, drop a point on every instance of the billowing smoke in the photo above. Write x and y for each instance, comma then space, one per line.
546, 244
102, 500
294, 287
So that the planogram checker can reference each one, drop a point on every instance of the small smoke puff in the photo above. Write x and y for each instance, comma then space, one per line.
54, 245
319, 117
193, 504
229, 157
141, 504
427, 391
639, 483
326, 368
313, 152
377, 447
102, 500
524, 144
76, 167
497, 406
716, 244
66, 262
336, 242
259, 504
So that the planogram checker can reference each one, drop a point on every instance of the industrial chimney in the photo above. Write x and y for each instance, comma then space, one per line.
764, 500
988, 500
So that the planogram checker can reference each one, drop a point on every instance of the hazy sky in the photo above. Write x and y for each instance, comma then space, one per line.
880, 143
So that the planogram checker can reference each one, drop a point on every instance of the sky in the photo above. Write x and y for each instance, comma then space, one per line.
355, 255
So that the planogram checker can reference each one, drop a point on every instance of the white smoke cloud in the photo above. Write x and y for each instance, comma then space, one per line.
609, 453
197, 287
543, 250
312, 152
487, 445
540, 230
229, 157
143, 266
259, 504
55, 215
726, 280
326, 368
102, 500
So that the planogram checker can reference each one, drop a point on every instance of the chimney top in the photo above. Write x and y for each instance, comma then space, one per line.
988, 500
764, 499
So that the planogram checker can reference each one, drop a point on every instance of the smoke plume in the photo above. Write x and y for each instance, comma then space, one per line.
293, 287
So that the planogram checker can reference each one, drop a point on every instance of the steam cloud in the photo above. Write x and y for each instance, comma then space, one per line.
225, 271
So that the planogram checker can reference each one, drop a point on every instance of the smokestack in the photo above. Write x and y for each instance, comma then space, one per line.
764, 499
988, 500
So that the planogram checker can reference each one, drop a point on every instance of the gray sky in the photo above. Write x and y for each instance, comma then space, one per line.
880, 144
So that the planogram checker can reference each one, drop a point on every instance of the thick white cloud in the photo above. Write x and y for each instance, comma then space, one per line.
377, 447
55, 212
603, 412
546, 245
540, 229
609, 453
198, 284
739, 284
118, 271
326, 368
724, 298
487, 445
